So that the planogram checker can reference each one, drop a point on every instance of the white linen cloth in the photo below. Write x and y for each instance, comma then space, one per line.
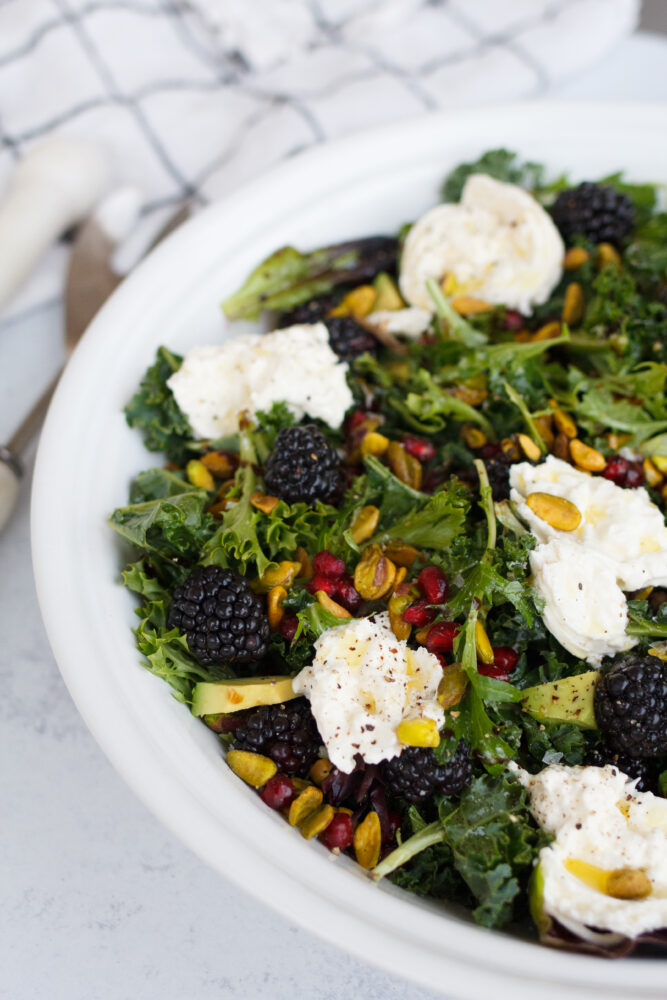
193, 98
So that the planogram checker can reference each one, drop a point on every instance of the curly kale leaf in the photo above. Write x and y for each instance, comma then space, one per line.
250, 541
171, 530
489, 839
501, 164
636, 324
156, 413
552, 743
494, 842
157, 484
165, 651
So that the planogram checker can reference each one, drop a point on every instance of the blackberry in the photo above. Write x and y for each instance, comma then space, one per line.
601, 214
304, 466
223, 621
631, 706
312, 311
349, 339
416, 774
634, 767
498, 471
286, 733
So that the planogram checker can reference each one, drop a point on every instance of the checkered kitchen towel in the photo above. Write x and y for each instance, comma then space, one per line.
193, 98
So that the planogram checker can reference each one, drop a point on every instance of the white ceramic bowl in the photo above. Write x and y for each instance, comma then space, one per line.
368, 183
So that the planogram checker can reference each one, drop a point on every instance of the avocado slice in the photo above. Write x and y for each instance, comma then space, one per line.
239, 693
567, 700
541, 918
387, 295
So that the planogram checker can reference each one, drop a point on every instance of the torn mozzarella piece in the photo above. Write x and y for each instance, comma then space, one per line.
295, 365
497, 243
362, 683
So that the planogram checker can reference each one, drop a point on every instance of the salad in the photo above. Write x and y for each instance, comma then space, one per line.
406, 552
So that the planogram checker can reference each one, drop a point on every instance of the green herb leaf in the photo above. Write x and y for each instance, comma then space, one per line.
490, 839
500, 164
156, 413
432, 404
172, 529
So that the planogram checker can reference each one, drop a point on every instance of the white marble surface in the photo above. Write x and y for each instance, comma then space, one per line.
99, 901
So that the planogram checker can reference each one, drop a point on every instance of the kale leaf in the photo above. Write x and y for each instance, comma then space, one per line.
165, 651
489, 839
156, 413
171, 529
501, 164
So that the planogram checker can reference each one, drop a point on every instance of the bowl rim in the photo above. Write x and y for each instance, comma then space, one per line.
338, 909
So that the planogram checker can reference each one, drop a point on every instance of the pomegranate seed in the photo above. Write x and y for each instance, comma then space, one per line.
635, 476
278, 792
433, 585
328, 564
418, 448
321, 582
616, 470
489, 450
491, 670
505, 657
355, 418
419, 613
287, 626
339, 832
347, 593
624, 473
513, 320
391, 827
440, 638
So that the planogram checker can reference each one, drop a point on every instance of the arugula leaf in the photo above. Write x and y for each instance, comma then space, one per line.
456, 326
156, 413
395, 499
639, 625
510, 355
531, 426
288, 277
431, 404
599, 406
437, 524
314, 620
